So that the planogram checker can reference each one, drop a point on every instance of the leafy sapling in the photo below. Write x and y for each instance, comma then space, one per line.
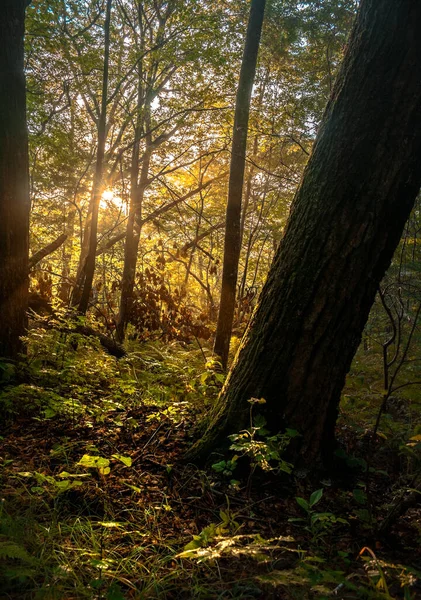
318, 524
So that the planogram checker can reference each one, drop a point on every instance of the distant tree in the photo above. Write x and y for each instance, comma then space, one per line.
233, 236
160, 66
83, 288
139, 168
14, 180
346, 220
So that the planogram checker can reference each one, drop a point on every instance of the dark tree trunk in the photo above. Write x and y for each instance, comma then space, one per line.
232, 244
131, 249
346, 221
14, 180
83, 288
137, 193
65, 288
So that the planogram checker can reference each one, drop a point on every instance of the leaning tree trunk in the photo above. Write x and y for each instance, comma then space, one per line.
233, 235
14, 180
346, 221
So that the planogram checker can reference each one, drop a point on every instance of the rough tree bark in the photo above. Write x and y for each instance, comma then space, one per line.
346, 220
14, 180
232, 245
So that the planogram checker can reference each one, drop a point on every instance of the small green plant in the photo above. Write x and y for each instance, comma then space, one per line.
18, 566
53, 486
226, 467
379, 570
318, 524
101, 464
262, 449
7, 371
228, 526
266, 452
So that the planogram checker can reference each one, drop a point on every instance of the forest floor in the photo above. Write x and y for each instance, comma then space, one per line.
96, 501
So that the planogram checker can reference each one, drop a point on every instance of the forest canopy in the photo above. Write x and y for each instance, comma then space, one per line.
172, 75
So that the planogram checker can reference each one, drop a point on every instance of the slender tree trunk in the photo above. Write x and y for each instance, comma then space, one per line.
252, 235
133, 231
346, 221
252, 169
131, 243
232, 244
14, 180
184, 285
130, 253
65, 284
247, 192
83, 287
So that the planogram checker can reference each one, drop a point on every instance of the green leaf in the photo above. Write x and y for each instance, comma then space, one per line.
63, 485
359, 496
114, 592
49, 413
12, 550
220, 466
316, 559
133, 487
292, 432
194, 544
126, 460
316, 497
93, 462
303, 503
65, 475
364, 515
259, 421
88, 461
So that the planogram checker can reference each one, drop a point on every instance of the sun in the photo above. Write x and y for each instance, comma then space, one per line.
107, 196
109, 200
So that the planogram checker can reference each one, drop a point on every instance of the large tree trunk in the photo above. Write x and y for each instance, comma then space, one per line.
232, 244
14, 180
346, 221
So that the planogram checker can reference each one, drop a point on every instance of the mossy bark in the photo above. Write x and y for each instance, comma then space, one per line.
14, 180
346, 221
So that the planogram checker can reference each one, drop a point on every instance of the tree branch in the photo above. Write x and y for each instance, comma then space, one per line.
49, 249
